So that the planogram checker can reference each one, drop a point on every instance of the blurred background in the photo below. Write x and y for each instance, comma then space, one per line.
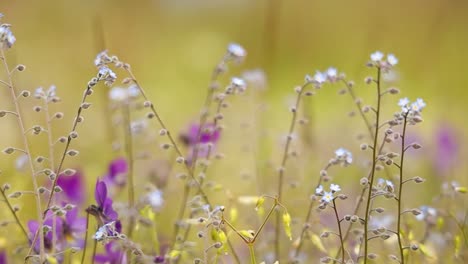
173, 46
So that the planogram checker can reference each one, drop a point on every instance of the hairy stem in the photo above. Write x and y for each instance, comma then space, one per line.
374, 163
283, 165
30, 158
400, 190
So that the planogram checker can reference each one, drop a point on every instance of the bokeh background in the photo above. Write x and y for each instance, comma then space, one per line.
173, 46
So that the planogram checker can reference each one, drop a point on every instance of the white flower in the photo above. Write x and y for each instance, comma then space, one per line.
389, 186
155, 199
102, 58
51, 92
39, 93
327, 197
238, 84
236, 50
118, 94
332, 72
344, 155
426, 212
133, 90
7, 39
319, 190
335, 188
392, 60
380, 182
256, 78
319, 77
418, 105
377, 56
403, 103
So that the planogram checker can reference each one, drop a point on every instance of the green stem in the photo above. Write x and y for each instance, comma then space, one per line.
400, 190
374, 163
252, 254
85, 239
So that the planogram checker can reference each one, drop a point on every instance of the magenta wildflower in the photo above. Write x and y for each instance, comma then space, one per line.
207, 135
104, 203
3, 257
73, 188
447, 148
33, 227
112, 255
116, 174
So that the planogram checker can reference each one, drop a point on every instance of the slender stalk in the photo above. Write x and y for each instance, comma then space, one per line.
358, 106
374, 163
169, 135
400, 190
28, 151
67, 146
85, 239
51, 164
252, 254
10, 207
283, 165
129, 150
339, 232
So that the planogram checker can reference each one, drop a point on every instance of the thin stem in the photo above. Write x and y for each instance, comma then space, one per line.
358, 106
374, 163
51, 164
10, 207
169, 135
67, 146
307, 219
94, 250
265, 221
252, 254
283, 165
400, 190
339, 230
129, 150
31, 165
85, 239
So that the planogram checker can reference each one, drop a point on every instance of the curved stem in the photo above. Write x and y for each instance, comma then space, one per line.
85, 239
283, 165
31, 165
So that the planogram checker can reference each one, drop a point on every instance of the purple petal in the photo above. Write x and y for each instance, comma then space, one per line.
100, 194
118, 166
3, 257
109, 211
73, 187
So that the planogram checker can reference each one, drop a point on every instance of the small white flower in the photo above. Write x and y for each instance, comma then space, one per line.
39, 93
377, 56
327, 197
389, 186
332, 72
256, 78
155, 199
319, 190
7, 39
133, 90
392, 60
335, 188
319, 77
418, 105
102, 59
403, 102
237, 51
238, 84
344, 155
52, 91
118, 94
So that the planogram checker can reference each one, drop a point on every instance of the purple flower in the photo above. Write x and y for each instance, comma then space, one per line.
74, 227
116, 174
3, 257
209, 134
159, 259
113, 255
104, 203
33, 227
73, 188
447, 148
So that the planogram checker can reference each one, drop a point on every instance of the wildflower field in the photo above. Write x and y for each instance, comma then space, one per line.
220, 131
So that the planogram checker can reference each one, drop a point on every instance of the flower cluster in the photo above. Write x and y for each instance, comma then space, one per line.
343, 157
7, 39
330, 75
377, 59
327, 197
